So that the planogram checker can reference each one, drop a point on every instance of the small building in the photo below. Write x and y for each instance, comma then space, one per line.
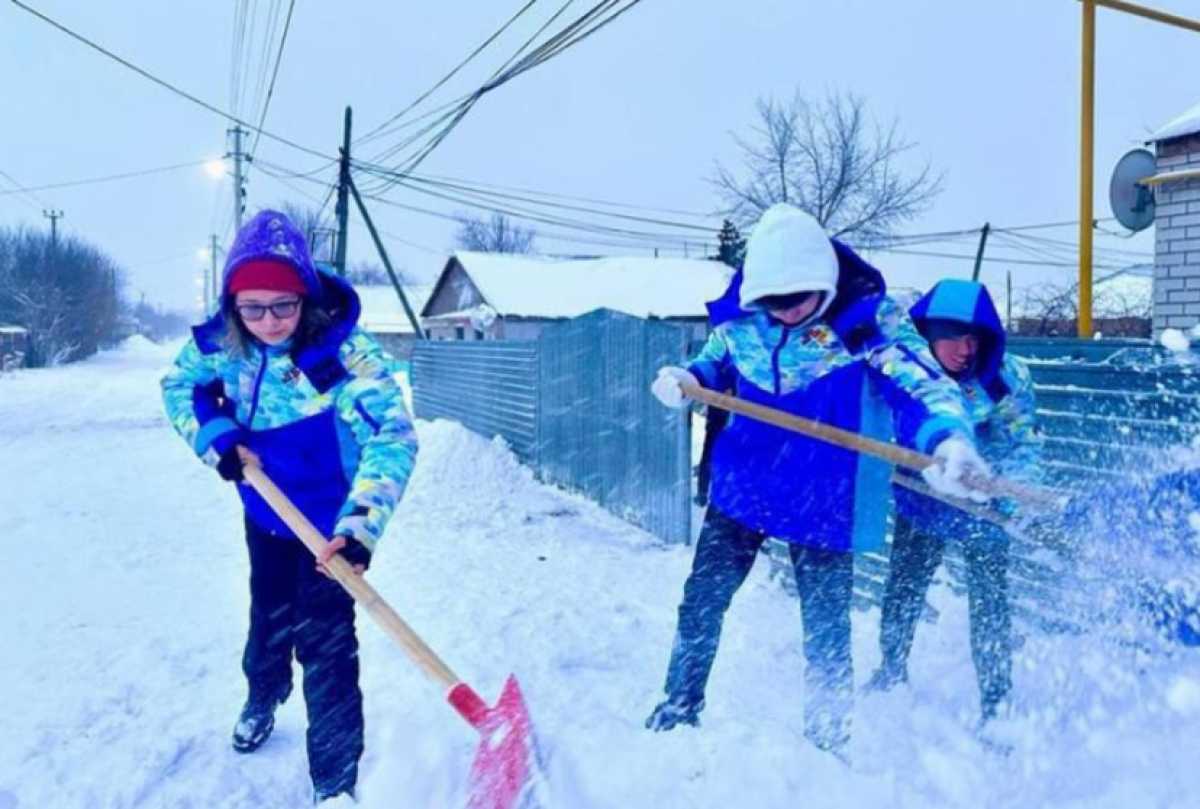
14, 346
497, 296
1177, 222
384, 317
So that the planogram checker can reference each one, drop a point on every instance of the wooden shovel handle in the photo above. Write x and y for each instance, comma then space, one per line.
358, 587
892, 453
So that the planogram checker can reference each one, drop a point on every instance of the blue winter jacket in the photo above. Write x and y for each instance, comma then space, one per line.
861, 367
327, 418
997, 392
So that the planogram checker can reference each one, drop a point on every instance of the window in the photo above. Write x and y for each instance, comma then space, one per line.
459, 333
478, 334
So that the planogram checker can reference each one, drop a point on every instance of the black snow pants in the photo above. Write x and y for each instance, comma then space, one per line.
294, 608
916, 553
725, 552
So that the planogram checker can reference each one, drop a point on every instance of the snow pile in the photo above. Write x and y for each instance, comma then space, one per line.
1174, 340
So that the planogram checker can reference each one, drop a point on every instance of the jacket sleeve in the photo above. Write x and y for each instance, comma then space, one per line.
196, 405
1016, 442
713, 366
372, 405
927, 404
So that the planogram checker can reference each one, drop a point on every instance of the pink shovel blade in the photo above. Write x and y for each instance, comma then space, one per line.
505, 769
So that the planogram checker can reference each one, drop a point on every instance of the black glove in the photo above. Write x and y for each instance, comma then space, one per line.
355, 552
230, 465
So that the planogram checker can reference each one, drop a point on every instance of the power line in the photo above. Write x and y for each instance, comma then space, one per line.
165, 84
482, 187
572, 34
29, 197
108, 178
370, 135
478, 192
461, 99
274, 75
264, 64
994, 259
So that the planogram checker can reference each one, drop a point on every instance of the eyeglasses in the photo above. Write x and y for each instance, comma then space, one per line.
785, 301
282, 310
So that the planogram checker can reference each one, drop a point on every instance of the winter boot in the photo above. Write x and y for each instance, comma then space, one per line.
673, 712
334, 800
257, 720
886, 678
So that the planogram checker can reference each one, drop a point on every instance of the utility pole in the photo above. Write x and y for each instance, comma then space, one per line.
387, 263
1008, 291
983, 234
343, 203
239, 176
1086, 165
214, 279
53, 216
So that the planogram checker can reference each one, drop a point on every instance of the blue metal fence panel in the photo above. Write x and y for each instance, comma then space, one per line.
601, 431
490, 387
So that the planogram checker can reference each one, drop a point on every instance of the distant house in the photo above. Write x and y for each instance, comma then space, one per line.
384, 317
14, 345
495, 296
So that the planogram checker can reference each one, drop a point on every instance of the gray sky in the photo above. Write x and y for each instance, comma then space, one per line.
638, 113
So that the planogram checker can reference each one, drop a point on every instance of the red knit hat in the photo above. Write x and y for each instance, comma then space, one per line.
276, 276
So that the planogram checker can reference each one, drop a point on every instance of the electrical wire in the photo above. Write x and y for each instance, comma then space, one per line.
375, 132
274, 75
167, 85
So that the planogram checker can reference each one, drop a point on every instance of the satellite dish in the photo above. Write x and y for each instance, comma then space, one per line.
1133, 203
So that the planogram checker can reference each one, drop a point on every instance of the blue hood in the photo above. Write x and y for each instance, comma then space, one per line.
968, 303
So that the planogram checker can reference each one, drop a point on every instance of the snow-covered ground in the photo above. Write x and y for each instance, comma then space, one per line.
123, 605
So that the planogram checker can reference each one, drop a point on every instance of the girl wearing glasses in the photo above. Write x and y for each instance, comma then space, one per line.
282, 376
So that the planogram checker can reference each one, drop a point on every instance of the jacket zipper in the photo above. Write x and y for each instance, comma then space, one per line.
262, 370
775, 361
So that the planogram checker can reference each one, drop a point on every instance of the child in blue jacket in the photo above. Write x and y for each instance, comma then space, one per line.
282, 376
966, 337
816, 336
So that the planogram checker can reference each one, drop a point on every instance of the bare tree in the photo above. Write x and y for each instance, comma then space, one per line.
64, 291
827, 158
318, 230
1052, 308
367, 273
495, 235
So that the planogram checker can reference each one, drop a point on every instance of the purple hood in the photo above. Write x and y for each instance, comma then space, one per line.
271, 235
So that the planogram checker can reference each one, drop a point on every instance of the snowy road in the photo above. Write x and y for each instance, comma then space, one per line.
123, 609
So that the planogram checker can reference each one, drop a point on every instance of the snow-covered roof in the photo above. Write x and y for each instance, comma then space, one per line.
13, 330
382, 311
1186, 124
533, 286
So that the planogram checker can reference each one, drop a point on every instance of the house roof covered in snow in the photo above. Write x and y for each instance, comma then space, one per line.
382, 311
1186, 124
540, 287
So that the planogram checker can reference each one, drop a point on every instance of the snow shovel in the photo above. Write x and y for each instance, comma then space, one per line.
506, 772
1038, 497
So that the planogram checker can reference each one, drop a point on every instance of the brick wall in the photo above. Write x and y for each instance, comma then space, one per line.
1177, 238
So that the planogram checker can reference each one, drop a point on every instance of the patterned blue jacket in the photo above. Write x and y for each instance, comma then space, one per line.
998, 393
327, 419
862, 367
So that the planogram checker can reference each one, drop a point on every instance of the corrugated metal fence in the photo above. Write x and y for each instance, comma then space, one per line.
1109, 410
492, 388
576, 406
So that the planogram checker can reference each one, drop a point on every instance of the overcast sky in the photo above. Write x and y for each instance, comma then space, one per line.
637, 113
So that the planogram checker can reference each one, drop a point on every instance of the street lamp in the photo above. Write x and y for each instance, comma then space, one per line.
215, 168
